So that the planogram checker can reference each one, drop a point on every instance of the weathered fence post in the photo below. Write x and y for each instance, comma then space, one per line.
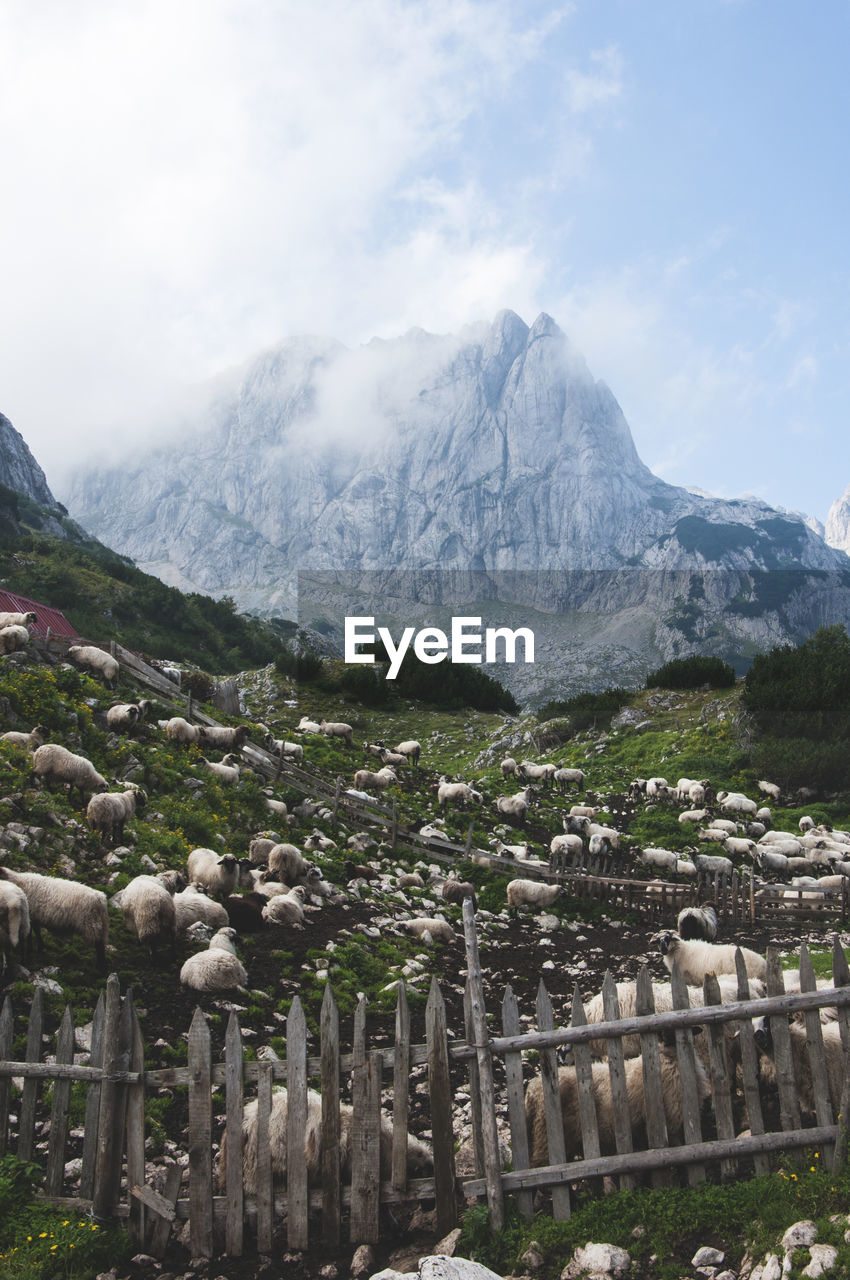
401, 1086
200, 1137
481, 1042
93, 1101
750, 1065
6, 1036
440, 1092
296, 1126
516, 1099
234, 1083
474, 1083
136, 1132
104, 1189
265, 1185
29, 1097
552, 1104
365, 1134
617, 1075
656, 1123
59, 1112
331, 1197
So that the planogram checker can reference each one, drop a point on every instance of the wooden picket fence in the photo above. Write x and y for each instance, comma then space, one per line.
112, 1179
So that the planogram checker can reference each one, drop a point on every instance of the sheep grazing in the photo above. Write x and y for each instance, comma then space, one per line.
14, 921
697, 922
410, 880
287, 863
459, 793
569, 778
223, 738
306, 725
149, 913
735, 802
218, 873
364, 779
457, 890
63, 907
54, 764
29, 741
193, 905
285, 908
508, 767
536, 772
411, 749
97, 661
122, 717
109, 810
531, 893
226, 770
671, 1093
336, 729
713, 864
430, 929
280, 747
13, 639
393, 758
218, 968
566, 846
419, 1158
245, 912
277, 806
770, 789
181, 731
18, 619
515, 806
695, 958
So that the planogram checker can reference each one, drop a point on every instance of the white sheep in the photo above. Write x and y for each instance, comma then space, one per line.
457, 890
108, 811
122, 717
806, 823
736, 802
29, 741
218, 968
53, 763
508, 767
569, 778
18, 619
223, 737
365, 779
517, 805
410, 748
286, 908
459, 793
430, 929
13, 639
286, 862
226, 770
531, 893
695, 958
713, 864
770, 789
536, 772
337, 729
14, 921
97, 661
149, 912
658, 789
566, 846
693, 815
193, 904
179, 730
218, 873
306, 725
64, 906
419, 1157
277, 807
770, 862
739, 847
664, 859
280, 747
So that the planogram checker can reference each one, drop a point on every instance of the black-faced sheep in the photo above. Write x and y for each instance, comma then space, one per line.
123, 717
287, 863
695, 958
671, 1093
508, 767
218, 968
181, 731
63, 907
149, 912
18, 619
286, 908
13, 639
223, 738
697, 922
108, 811
280, 747
218, 873
566, 778
52, 763
96, 660
536, 772
14, 921
419, 1158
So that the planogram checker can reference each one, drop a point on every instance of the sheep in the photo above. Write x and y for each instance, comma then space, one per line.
637, 789
430, 929
279, 807
738, 847
457, 890
712, 835
286, 908
569, 778
245, 911
696, 958
771, 862
770, 789
306, 725
226, 770
280, 747
658, 789
29, 741
179, 730
671, 1093
318, 841
566, 846
410, 748
218, 968
726, 825
14, 921
454, 793
53, 763
194, 905
521, 851
433, 830
833, 1053
122, 717
805, 824
64, 906
13, 639
364, 779
693, 815
286, 862
575, 824
665, 859
515, 806
173, 880
337, 729
713, 864
260, 848
223, 738
662, 1000
410, 880
148, 911
735, 802
393, 758
531, 893
536, 772
108, 811
419, 1157
216, 872
697, 922
18, 619
508, 767
97, 660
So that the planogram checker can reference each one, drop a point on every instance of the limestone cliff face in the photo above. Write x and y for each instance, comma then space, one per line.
494, 450
19, 469
838, 523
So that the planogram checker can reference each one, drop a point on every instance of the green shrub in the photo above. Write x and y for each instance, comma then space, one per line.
585, 710
692, 673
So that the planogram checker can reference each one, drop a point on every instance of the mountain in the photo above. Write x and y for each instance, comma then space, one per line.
470, 459
838, 523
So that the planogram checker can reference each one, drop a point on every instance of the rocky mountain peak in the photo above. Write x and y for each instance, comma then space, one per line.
838, 523
19, 469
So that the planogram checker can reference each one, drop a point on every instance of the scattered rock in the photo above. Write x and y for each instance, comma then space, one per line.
363, 1260
597, 1260
800, 1236
823, 1259
707, 1257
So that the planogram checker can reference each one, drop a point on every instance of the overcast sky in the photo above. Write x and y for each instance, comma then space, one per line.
184, 183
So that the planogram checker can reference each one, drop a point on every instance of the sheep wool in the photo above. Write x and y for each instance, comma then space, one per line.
149, 912
64, 906
97, 660
52, 763
218, 968
14, 920
696, 958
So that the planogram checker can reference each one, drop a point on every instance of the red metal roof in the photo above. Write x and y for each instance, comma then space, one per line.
44, 616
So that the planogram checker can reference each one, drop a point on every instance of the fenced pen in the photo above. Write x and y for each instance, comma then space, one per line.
363, 1163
